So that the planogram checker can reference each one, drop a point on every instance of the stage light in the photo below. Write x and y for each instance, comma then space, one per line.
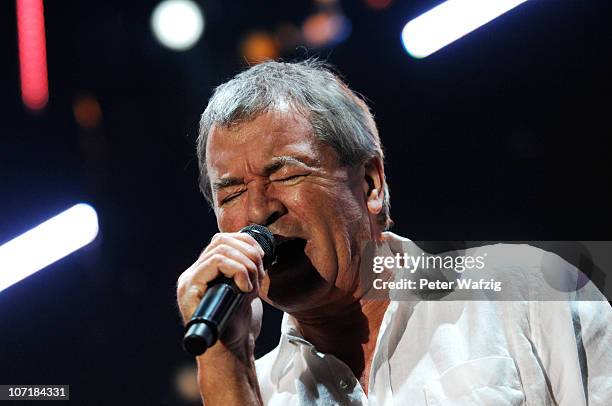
87, 112
258, 47
450, 21
325, 29
47, 243
186, 383
177, 24
32, 53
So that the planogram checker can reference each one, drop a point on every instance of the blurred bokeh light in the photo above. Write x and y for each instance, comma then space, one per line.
186, 383
87, 111
325, 29
177, 24
258, 47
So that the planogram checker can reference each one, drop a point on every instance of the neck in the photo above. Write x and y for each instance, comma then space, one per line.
349, 334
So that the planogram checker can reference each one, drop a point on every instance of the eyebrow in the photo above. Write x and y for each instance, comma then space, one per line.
276, 164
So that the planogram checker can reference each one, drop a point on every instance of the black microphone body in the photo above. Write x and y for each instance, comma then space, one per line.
221, 300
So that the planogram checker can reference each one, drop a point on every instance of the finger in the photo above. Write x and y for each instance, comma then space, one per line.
237, 255
193, 283
247, 238
246, 245
219, 264
251, 242
244, 237
241, 241
256, 254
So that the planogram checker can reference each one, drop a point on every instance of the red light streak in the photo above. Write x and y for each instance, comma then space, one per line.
32, 53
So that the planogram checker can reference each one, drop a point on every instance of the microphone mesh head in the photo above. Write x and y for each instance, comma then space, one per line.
265, 239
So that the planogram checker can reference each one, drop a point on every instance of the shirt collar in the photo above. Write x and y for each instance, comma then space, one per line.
292, 341
289, 344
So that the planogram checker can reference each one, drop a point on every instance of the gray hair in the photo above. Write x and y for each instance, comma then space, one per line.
339, 117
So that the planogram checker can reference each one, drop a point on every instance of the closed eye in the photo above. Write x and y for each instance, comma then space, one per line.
231, 197
288, 179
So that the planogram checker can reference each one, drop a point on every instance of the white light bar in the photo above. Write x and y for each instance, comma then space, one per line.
47, 243
450, 21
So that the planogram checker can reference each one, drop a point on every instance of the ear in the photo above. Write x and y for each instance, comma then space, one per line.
374, 175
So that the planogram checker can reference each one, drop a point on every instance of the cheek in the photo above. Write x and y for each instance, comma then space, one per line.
297, 200
348, 203
229, 220
310, 203
336, 205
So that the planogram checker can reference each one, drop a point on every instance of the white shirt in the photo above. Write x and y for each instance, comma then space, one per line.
460, 353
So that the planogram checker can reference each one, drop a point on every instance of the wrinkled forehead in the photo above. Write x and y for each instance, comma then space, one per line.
270, 134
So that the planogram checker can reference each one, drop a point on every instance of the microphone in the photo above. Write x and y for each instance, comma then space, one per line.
221, 300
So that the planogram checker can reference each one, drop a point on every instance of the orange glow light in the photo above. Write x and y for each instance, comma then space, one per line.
324, 28
87, 112
258, 47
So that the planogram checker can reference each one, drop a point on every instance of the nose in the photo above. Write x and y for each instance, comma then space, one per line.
262, 208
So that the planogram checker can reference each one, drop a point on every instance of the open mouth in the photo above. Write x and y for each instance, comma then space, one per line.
292, 276
289, 253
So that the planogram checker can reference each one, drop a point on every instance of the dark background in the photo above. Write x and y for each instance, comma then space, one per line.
502, 135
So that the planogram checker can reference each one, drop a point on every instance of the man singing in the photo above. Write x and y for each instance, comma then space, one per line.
291, 147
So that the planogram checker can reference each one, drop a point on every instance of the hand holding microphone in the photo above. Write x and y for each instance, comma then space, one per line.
228, 271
